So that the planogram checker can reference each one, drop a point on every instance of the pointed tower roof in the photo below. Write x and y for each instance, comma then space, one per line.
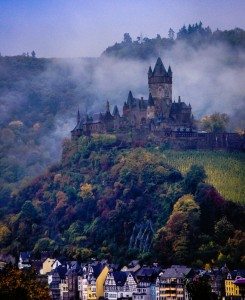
115, 111
107, 106
170, 73
150, 72
78, 116
159, 69
150, 101
130, 99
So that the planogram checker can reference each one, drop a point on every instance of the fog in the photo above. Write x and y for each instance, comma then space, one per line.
211, 79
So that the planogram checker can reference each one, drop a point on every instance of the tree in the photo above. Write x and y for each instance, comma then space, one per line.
171, 34
194, 176
127, 38
86, 192
28, 211
33, 54
223, 230
180, 233
21, 285
200, 289
215, 123
5, 235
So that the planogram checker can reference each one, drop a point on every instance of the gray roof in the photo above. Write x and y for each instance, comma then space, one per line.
159, 69
176, 272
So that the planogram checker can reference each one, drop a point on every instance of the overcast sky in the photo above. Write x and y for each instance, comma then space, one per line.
84, 28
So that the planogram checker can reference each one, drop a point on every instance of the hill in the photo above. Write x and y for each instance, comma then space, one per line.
39, 97
106, 200
195, 35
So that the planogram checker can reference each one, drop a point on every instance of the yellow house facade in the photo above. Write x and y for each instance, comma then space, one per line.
100, 282
231, 289
95, 288
47, 265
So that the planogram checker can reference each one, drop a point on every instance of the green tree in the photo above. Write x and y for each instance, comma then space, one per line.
28, 211
194, 176
223, 230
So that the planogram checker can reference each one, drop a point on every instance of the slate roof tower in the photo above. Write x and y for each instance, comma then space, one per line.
160, 87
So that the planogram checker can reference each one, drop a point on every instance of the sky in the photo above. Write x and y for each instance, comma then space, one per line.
85, 28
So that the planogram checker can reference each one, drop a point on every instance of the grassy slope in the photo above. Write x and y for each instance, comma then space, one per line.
224, 170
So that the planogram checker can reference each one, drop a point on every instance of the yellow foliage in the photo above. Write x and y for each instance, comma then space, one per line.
5, 233
86, 192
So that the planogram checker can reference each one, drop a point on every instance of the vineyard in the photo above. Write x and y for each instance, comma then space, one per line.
225, 170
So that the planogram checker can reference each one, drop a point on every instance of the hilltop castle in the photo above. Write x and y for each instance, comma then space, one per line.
158, 119
158, 113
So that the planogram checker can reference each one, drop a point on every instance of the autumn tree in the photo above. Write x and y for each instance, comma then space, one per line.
215, 123
21, 285
181, 231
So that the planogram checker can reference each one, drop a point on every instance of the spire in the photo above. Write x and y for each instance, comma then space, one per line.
170, 73
150, 100
107, 106
78, 116
150, 72
115, 111
179, 100
159, 69
130, 99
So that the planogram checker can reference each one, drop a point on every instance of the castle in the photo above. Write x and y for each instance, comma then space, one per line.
157, 113
158, 119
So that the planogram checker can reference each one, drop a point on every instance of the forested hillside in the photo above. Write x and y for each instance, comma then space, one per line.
39, 97
107, 200
96, 194
194, 35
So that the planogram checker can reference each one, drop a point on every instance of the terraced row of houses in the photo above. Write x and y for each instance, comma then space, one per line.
101, 280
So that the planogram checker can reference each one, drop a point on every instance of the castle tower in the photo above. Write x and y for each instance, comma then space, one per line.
160, 87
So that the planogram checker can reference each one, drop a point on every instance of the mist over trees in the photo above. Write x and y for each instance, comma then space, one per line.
39, 99
194, 35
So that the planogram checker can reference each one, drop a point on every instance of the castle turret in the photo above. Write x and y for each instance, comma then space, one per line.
150, 72
115, 111
160, 87
130, 99
78, 116
107, 106
170, 73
